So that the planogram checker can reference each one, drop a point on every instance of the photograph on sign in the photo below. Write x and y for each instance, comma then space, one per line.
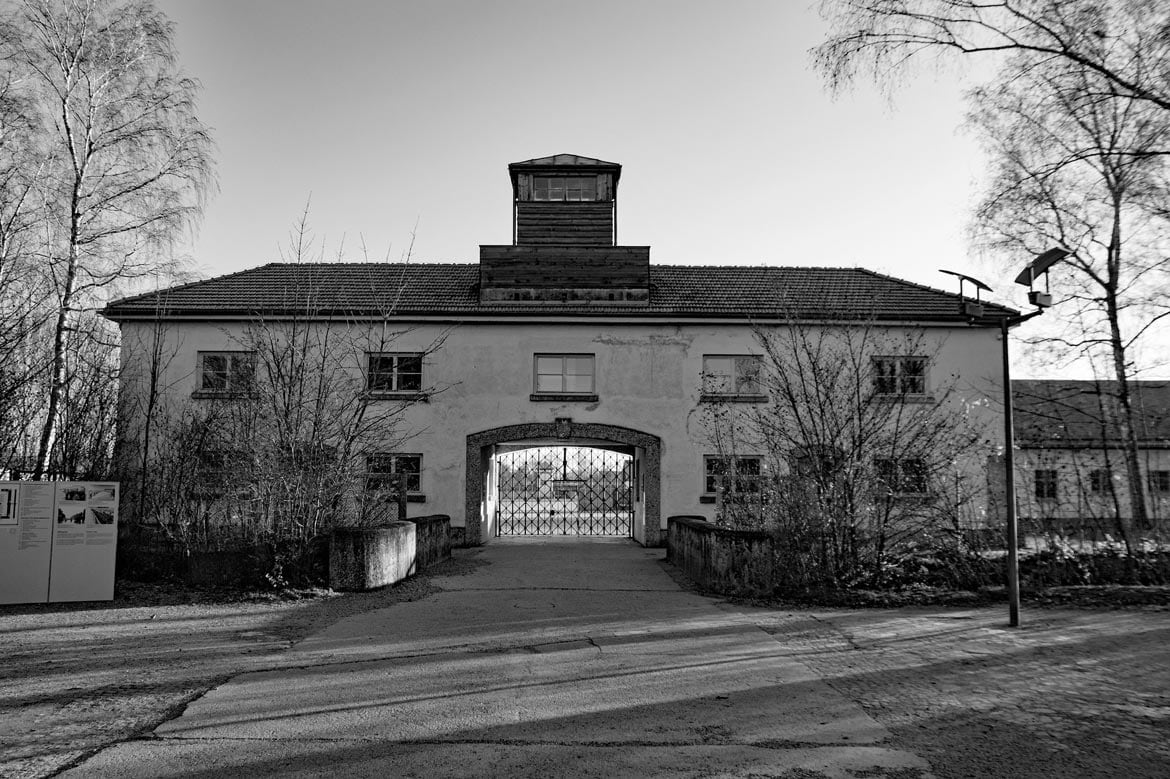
103, 494
69, 516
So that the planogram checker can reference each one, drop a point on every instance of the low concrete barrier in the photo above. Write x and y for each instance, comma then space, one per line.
367, 558
718, 559
432, 539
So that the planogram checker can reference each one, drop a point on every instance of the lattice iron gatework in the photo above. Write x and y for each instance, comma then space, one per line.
565, 491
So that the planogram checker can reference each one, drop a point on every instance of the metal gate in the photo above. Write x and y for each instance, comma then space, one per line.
565, 491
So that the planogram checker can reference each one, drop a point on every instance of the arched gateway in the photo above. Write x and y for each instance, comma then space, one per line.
483, 446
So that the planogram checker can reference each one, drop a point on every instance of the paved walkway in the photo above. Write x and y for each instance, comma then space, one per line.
554, 658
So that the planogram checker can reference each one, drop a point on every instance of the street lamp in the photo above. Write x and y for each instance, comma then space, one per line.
1041, 299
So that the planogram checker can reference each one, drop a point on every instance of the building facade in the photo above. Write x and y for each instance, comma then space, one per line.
1071, 469
562, 384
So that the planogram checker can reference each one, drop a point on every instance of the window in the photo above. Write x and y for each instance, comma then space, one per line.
899, 375
394, 372
1045, 481
564, 188
731, 374
381, 467
1159, 481
902, 476
570, 374
1100, 480
226, 372
738, 474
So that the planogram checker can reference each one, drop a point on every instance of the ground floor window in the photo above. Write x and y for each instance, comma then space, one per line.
1045, 483
902, 476
1100, 480
382, 468
738, 474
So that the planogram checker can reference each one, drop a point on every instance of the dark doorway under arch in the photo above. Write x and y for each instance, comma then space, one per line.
482, 445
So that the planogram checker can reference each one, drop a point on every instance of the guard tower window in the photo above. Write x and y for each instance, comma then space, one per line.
576, 188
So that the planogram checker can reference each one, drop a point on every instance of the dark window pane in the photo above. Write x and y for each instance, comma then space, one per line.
215, 372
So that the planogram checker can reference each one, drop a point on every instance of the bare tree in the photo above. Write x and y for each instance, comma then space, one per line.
860, 456
124, 159
1123, 43
1076, 164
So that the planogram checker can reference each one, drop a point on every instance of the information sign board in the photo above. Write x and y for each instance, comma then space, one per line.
57, 541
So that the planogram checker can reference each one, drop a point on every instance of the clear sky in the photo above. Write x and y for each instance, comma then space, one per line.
392, 114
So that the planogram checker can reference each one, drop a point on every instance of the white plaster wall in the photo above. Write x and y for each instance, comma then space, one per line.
1075, 498
648, 379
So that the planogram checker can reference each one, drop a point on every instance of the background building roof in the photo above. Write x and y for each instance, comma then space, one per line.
1084, 414
423, 289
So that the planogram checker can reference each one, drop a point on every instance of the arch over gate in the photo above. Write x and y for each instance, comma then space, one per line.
568, 432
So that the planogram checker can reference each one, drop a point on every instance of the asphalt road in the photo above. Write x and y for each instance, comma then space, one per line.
554, 658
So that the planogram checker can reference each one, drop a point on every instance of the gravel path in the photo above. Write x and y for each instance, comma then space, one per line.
1074, 692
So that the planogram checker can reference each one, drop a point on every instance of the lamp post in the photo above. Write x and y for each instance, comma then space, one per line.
1027, 277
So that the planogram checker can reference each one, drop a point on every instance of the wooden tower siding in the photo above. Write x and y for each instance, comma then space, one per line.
543, 222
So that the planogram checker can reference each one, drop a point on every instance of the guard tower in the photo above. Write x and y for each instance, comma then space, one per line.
564, 230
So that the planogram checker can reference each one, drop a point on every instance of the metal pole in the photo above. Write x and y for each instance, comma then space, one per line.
1013, 562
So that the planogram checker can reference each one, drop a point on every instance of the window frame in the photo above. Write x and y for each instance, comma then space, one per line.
897, 469
753, 392
237, 382
1158, 482
1100, 481
538, 393
395, 373
565, 188
711, 488
1046, 484
373, 477
899, 376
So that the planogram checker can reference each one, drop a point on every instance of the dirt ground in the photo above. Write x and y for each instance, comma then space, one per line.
1076, 691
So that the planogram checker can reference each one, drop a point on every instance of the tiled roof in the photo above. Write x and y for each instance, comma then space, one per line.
420, 289
1081, 414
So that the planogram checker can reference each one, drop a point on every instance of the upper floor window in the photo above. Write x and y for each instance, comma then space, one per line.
899, 375
382, 468
1159, 481
738, 474
1100, 480
226, 372
1045, 484
902, 476
564, 187
731, 374
394, 372
564, 373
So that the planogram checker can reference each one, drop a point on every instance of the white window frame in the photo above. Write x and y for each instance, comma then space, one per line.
753, 481
563, 357
240, 371
395, 374
566, 189
414, 477
718, 382
899, 377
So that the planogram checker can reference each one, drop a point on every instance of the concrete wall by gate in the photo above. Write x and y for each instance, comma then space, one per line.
718, 559
480, 501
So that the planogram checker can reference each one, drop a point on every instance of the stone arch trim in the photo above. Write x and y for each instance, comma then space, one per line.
571, 433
